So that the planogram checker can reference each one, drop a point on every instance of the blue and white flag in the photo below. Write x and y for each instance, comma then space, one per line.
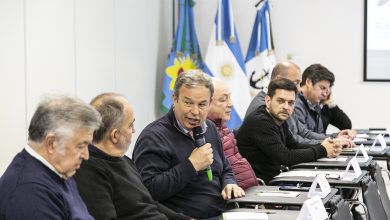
225, 61
185, 53
260, 59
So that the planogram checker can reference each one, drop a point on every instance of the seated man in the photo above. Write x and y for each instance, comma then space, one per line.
108, 182
265, 140
332, 114
316, 83
301, 134
38, 183
220, 109
172, 164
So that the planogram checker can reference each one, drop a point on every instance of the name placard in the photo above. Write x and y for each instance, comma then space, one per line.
382, 142
313, 209
324, 187
356, 168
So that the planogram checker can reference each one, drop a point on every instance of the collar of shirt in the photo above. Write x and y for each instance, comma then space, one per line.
203, 126
34, 154
315, 107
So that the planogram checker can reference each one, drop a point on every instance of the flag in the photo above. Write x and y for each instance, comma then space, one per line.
225, 61
260, 59
185, 53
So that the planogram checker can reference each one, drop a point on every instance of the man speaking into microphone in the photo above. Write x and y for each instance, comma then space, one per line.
174, 158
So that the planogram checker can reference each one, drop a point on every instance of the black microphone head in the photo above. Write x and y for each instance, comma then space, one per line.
197, 132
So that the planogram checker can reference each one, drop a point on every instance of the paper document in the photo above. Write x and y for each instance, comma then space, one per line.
377, 131
362, 159
325, 159
376, 149
357, 148
346, 176
284, 194
362, 136
356, 139
311, 173
244, 215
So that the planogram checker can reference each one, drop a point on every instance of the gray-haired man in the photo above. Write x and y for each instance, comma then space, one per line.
38, 184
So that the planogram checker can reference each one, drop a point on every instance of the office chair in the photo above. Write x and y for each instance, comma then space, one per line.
371, 199
378, 178
339, 209
387, 154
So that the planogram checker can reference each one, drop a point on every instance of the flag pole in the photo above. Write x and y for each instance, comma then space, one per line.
257, 4
173, 19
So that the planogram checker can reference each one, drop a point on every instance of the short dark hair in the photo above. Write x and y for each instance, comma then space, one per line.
281, 83
111, 110
316, 73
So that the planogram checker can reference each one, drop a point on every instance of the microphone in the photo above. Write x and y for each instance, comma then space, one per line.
200, 141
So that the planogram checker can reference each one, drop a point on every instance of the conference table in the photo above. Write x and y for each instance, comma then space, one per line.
274, 196
377, 155
304, 180
340, 162
273, 214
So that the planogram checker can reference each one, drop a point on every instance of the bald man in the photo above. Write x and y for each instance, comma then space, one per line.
287, 70
301, 134
109, 183
220, 110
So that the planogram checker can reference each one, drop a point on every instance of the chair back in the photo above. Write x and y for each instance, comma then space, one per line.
371, 199
378, 178
339, 208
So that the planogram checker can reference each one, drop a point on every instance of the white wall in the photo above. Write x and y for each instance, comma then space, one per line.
82, 48
330, 32
85, 47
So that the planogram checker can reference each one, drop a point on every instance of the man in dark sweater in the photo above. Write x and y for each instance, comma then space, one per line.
310, 110
108, 182
265, 140
38, 184
300, 132
172, 164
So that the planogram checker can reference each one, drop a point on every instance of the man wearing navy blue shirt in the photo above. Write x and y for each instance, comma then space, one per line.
38, 183
172, 165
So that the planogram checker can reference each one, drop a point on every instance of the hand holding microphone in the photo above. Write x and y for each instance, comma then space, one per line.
202, 156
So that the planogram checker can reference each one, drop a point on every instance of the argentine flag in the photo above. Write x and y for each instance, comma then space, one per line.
225, 61
260, 59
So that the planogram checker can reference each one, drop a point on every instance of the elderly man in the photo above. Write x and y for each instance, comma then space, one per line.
38, 184
108, 182
171, 162
265, 140
220, 110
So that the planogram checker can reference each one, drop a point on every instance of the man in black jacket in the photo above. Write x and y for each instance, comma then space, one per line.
300, 132
265, 140
108, 182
